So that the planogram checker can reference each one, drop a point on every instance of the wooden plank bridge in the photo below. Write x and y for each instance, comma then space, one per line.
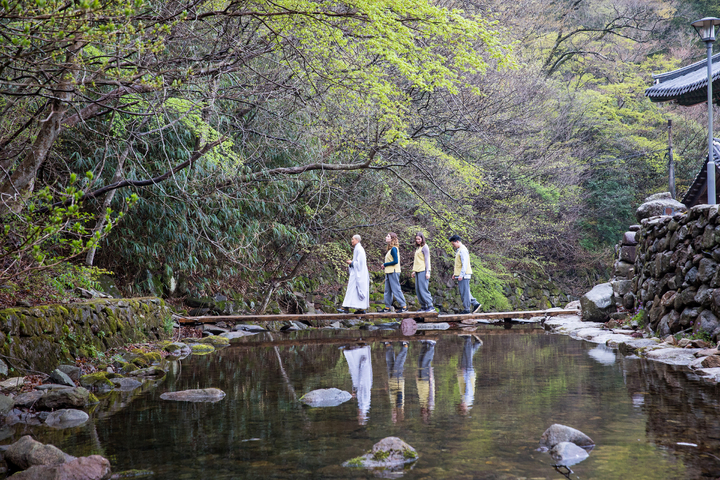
467, 318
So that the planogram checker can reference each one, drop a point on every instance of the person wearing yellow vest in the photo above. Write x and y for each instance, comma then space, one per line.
392, 275
421, 273
462, 273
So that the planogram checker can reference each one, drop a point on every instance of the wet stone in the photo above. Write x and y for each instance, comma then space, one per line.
557, 433
325, 397
66, 418
567, 453
209, 395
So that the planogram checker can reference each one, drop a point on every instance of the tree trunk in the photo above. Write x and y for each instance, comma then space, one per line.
90, 257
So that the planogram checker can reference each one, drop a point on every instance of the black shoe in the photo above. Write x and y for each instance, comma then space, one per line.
401, 310
429, 310
360, 311
465, 312
385, 310
343, 310
476, 307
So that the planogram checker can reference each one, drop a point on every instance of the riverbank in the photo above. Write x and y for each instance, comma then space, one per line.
699, 356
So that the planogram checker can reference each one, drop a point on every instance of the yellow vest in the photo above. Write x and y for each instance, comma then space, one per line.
458, 262
419, 262
388, 258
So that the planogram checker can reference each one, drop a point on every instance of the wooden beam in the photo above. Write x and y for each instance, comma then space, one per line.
502, 315
426, 316
283, 317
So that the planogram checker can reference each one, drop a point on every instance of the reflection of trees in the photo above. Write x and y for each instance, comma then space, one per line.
523, 384
680, 408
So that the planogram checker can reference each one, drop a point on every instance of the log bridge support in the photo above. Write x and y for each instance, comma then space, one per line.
468, 318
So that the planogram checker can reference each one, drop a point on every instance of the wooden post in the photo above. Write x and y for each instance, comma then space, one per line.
671, 161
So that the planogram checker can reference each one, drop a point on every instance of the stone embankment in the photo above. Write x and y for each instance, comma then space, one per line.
677, 276
667, 270
39, 338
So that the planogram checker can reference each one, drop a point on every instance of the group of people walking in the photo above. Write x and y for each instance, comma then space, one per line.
357, 295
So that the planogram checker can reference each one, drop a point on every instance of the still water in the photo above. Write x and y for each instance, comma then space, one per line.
474, 407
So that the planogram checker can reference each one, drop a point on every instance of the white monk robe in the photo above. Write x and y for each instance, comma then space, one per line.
358, 289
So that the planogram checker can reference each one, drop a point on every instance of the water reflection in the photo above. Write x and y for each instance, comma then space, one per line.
603, 354
425, 380
637, 412
466, 374
359, 361
396, 381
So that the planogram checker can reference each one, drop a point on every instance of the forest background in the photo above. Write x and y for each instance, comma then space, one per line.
192, 147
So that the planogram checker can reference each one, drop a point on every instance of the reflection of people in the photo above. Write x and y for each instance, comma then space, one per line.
426, 379
396, 381
357, 294
421, 273
463, 272
466, 374
361, 372
392, 274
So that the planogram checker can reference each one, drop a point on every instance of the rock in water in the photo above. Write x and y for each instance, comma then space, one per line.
93, 467
66, 418
200, 395
598, 303
560, 433
27, 452
389, 453
326, 397
567, 453
64, 398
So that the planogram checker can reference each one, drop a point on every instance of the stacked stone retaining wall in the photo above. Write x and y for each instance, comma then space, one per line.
676, 276
40, 338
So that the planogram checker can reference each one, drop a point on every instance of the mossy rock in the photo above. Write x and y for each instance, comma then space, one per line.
202, 349
97, 380
175, 348
215, 341
149, 358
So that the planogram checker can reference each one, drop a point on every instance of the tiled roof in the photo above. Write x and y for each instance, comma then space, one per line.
687, 85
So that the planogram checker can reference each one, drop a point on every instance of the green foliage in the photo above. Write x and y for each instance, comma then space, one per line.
487, 287
46, 233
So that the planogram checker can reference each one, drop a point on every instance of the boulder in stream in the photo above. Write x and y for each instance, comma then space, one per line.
64, 398
93, 467
325, 397
66, 418
390, 453
567, 454
560, 433
198, 395
27, 452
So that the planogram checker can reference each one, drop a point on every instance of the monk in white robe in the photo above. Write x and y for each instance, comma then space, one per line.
358, 289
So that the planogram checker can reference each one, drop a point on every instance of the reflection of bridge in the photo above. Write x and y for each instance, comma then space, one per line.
424, 316
365, 337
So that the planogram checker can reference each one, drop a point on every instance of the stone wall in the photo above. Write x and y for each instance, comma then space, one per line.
40, 338
676, 278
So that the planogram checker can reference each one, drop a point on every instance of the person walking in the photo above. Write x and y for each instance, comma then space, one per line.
421, 273
462, 273
392, 275
357, 294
